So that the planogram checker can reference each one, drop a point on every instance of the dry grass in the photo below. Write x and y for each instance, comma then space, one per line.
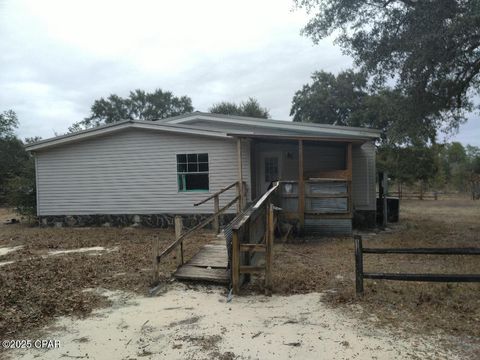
448, 310
36, 287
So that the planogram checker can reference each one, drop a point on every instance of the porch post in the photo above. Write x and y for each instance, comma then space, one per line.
349, 176
301, 188
240, 173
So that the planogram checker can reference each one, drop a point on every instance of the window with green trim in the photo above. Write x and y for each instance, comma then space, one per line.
192, 172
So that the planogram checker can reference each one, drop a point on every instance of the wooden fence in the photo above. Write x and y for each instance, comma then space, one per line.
427, 195
180, 235
360, 274
252, 234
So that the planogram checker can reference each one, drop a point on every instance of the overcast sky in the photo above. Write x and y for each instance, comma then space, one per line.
59, 56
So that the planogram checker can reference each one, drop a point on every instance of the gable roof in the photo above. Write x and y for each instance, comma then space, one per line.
220, 126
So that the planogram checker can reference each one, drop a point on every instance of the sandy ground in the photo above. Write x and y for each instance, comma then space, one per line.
398, 320
186, 323
94, 249
5, 250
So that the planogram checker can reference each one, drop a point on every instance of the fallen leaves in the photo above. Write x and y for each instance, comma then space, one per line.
36, 288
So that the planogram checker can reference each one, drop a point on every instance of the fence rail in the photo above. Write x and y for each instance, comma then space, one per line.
426, 195
404, 195
360, 274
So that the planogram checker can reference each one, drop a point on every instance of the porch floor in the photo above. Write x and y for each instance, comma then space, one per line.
209, 264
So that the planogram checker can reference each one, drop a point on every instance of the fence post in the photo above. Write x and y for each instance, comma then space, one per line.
270, 215
385, 199
235, 262
178, 233
358, 265
216, 208
156, 264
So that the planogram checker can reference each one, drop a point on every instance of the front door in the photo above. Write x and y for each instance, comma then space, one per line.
270, 170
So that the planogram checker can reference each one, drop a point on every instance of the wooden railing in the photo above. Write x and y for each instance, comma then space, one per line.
404, 195
216, 204
253, 233
181, 235
360, 274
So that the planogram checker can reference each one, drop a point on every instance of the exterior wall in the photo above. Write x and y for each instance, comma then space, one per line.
325, 227
132, 172
363, 177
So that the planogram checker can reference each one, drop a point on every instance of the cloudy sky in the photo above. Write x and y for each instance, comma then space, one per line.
59, 56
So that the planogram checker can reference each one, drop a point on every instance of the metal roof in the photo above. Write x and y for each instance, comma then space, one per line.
120, 125
273, 127
224, 126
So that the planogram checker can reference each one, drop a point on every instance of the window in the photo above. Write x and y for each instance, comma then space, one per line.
271, 169
192, 172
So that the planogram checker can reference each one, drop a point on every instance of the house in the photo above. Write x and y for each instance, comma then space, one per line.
148, 171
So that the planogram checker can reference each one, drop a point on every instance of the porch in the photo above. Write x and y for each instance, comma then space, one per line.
315, 177
309, 179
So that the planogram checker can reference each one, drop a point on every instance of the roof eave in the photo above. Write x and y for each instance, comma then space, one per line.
346, 139
111, 128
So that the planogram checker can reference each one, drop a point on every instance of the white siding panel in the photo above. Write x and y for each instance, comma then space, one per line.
132, 172
363, 177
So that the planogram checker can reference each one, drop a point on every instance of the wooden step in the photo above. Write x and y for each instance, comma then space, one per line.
189, 272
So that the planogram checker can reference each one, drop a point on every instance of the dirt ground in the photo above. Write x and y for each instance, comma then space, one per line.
200, 324
36, 287
451, 311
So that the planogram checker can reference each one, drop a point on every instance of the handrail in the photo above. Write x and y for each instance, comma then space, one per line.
216, 194
256, 206
180, 237
208, 220
248, 231
266, 195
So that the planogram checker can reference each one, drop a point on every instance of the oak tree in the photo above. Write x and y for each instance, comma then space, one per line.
139, 105
430, 50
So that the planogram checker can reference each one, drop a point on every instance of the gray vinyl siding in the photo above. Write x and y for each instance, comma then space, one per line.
132, 172
328, 226
363, 177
